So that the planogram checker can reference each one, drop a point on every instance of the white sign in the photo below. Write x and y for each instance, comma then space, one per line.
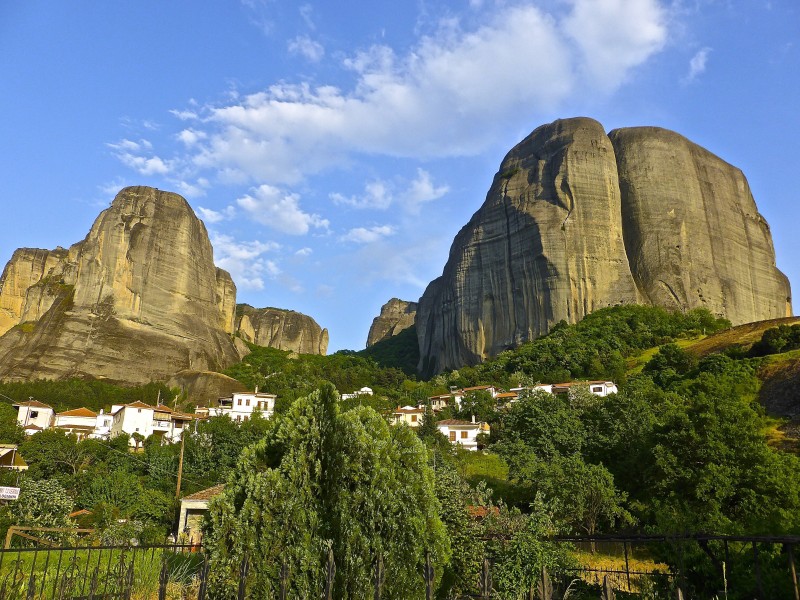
9, 493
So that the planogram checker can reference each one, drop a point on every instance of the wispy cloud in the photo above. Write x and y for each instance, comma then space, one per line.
380, 195
244, 260
216, 216
279, 210
697, 64
367, 235
306, 47
449, 95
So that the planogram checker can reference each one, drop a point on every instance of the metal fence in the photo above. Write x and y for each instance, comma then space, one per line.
694, 566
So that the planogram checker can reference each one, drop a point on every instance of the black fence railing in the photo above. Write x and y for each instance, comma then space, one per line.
659, 566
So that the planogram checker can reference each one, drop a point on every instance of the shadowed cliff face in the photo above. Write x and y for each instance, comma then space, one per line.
137, 300
576, 221
282, 329
396, 316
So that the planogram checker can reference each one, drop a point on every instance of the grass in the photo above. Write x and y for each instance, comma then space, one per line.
636, 363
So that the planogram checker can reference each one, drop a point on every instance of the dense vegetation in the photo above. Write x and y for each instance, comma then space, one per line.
681, 448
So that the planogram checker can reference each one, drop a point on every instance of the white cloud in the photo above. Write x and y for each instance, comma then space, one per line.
213, 216
279, 210
376, 195
191, 136
422, 190
449, 95
306, 47
697, 64
304, 252
364, 235
244, 260
615, 36
380, 195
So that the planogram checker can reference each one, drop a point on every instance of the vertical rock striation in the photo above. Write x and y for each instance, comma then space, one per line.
282, 329
576, 220
137, 300
396, 315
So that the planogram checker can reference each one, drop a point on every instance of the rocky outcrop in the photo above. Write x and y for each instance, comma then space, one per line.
396, 315
576, 220
282, 329
137, 300
692, 229
201, 387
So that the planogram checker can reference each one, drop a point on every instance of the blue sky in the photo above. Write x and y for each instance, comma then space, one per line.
334, 149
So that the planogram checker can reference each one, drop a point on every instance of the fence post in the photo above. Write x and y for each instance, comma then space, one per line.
163, 577
284, 575
428, 576
757, 566
608, 590
201, 593
486, 579
627, 568
330, 574
380, 576
793, 570
243, 571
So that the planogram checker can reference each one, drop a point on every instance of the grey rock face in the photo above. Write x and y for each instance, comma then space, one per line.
396, 315
137, 300
565, 230
282, 329
692, 229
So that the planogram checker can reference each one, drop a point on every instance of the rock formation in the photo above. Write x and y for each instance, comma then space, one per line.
576, 220
282, 329
396, 315
137, 300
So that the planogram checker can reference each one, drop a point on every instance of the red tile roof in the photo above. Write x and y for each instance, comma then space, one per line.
457, 423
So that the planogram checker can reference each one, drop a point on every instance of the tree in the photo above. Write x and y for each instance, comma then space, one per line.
43, 503
52, 452
321, 479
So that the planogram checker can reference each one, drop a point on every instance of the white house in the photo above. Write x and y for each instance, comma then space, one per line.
439, 402
458, 395
141, 418
241, 406
410, 415
364, 391
598, 388
463, 433
102, 428
80, 421
34, 416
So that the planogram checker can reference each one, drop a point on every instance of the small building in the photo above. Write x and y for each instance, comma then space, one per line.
506, 397
10, 458
146, 420
193, 508
409, 415
463, 433
81, 422
34, 416
598, 388
364, 391
241, 405
439, 403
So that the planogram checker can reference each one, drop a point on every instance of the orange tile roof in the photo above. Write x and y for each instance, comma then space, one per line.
77, 412
138, 404
408, 411
507, 395
477, 387
206, 494
457, 422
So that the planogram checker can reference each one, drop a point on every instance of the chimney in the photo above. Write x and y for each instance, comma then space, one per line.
473, 418
256, 390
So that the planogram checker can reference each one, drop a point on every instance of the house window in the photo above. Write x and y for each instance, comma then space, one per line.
137, 429
239, 402
247, 402
452, 436
463, 435
138, 410
34, 414
597, 389
413, 418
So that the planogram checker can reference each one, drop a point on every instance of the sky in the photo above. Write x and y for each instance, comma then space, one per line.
334, 150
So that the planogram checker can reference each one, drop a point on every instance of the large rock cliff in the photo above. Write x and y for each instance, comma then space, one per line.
137, 300
396, 316
282, 329
576, 220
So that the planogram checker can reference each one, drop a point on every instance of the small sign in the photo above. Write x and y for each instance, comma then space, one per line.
9, 493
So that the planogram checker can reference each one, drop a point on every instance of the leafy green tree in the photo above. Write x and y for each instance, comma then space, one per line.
119, 489
478, 404
43, 503
323, 479
10, 431
53, 453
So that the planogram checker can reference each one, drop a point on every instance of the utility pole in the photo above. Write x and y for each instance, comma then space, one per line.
180, 469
